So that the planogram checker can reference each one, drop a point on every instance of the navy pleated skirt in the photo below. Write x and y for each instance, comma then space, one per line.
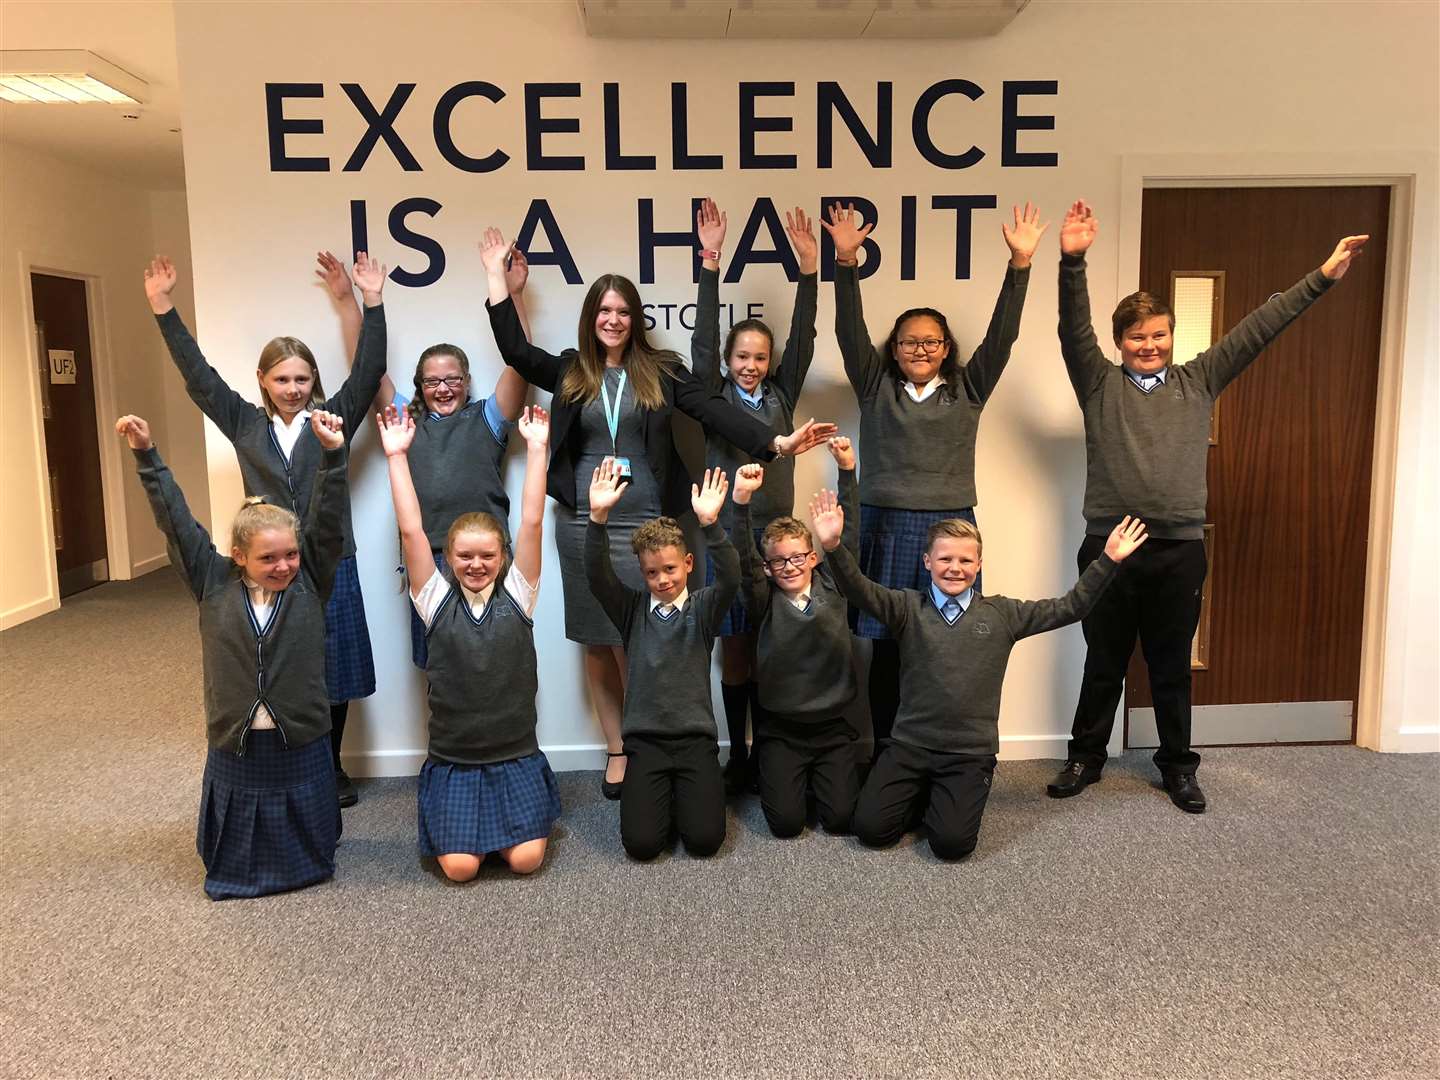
892, 553
737, 619
270, 819
477, 809
349, 663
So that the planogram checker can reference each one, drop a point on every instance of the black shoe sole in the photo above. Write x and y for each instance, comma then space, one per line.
1188, 809
347, 801
611, 791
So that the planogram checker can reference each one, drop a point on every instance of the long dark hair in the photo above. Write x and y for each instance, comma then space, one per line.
949, 367
644, 363
416, 407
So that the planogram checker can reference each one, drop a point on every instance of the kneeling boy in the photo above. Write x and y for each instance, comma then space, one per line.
672, 777
954, 646
802, 662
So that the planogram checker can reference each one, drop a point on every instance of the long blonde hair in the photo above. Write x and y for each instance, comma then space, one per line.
258, 516
645, 365
280, 349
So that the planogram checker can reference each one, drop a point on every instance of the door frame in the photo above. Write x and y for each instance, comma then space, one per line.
1411, 177
112, 473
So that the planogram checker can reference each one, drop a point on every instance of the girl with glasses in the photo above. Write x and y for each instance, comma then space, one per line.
919, 414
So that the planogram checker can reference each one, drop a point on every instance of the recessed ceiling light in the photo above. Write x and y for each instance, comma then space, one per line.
66, 77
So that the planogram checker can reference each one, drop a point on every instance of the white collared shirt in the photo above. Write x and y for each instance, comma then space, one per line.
1148, 383
432, 594
287, 434
801, 602
678, 602
928, 389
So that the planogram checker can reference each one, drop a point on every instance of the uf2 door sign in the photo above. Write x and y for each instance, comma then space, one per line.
62, 366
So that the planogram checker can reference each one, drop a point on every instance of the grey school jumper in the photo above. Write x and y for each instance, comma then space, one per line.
282, 663
668, 692
781, 389
951, 676
1146, 453
482, 679
803, 666
921, 455
455, 466
263, 466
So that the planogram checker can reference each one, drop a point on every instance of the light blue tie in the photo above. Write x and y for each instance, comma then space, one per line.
952, 609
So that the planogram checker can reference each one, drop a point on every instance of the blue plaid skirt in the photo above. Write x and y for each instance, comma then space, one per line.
892, 553
737, 619
349, 663
269, 820
419, 650
477, 809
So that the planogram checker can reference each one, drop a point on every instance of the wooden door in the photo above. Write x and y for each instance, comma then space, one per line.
1290, 461
72, 445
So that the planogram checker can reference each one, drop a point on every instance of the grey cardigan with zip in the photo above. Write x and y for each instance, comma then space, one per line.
283, 663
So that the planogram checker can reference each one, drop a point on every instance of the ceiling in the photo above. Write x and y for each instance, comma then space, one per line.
137, 35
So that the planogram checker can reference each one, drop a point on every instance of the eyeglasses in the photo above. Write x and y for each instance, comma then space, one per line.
454, 382
797, 561
928, 344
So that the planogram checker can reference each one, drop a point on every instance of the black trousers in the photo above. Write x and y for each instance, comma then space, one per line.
795, 758
944, 793
1155, 595
672, 783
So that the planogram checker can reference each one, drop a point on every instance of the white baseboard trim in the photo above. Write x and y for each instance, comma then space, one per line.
1412, 739
25, 612
146, 566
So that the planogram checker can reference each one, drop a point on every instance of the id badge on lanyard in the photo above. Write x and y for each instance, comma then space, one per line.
612, 421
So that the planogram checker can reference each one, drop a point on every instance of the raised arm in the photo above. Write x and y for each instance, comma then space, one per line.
754, 586
848, 491
864, 366
1233, 353
357, 393
987, 363
1029, 617
225, 408
706, 499
397, 432
336, 279
535, 430
606, 487
800, 344
191, 552
535, 365
890, 606
322, 534
1084, 361
705, 358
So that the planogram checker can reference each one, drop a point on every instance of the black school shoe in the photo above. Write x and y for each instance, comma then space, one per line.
1185, 792
345, 788
1074, 778
611, 789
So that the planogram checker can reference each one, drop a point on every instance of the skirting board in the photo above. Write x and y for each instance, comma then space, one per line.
1278, 722
591, 756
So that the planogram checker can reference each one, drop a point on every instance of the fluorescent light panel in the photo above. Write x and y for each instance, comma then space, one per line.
69, 76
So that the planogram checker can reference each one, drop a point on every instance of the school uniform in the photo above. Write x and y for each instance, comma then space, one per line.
672, 773
456, 465
278, 462
939, 761
806, 682
584, 433
486, 785
269, 817
1147, 448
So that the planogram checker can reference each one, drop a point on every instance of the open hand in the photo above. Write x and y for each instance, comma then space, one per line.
842, 451
606, 487
517, 271
846, 231
828, 517
806, 437
135, 430
1338, 263
801, 231
535, 427
332, 272
160, 278
494, 250
707, 497
397, 430
1024, 237
1078, 231
710, 223
369, 277
748, 479
328, 429
1125, 538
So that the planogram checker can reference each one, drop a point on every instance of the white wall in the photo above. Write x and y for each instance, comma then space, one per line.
1134, 78
57, 216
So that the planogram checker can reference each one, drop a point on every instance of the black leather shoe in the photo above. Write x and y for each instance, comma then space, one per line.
345, 788
1074, 778
1185, 792
611, 788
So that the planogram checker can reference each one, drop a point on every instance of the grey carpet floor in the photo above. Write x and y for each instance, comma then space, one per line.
1290, 932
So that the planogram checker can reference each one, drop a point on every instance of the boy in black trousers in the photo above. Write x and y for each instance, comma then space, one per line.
954, 647
802, 660
673, 772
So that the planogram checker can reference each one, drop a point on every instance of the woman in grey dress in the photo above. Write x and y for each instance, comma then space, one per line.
613, 397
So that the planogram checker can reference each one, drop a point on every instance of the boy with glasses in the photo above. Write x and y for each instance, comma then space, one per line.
802, 661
